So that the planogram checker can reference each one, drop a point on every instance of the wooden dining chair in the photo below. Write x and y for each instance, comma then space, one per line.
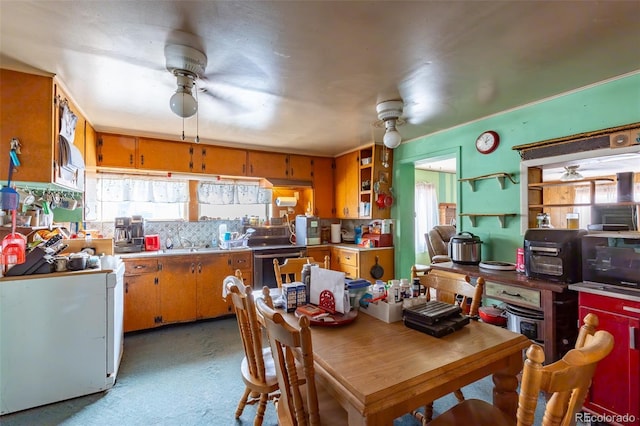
566, 381
447, 286
291, 269
257, 367
302, 401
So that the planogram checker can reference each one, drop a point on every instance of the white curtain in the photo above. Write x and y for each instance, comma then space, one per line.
233, 192
115, 189
426, 212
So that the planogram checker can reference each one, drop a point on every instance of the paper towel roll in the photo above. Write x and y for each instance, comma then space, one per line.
336, 232
286, 201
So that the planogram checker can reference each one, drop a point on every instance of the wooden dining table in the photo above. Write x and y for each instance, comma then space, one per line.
380, 371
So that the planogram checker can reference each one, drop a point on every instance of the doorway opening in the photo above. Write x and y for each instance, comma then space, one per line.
436, 194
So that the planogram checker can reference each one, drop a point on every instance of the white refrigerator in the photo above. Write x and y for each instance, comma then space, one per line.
61, 336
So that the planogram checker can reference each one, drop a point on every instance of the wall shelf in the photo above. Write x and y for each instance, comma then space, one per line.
499, 176
501, 217
586, 181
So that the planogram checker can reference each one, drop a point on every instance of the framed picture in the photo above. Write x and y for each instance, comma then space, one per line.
383, 177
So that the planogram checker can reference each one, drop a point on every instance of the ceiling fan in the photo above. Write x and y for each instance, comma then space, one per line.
187, 65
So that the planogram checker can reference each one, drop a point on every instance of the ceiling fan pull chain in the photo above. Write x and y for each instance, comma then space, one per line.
197, 115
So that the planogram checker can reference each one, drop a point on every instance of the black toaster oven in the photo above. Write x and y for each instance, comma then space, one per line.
612, 258
553, 254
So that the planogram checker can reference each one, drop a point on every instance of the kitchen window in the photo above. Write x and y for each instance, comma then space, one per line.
108, 196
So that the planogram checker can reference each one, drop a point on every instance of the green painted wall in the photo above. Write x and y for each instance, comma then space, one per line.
446, 184
612, 103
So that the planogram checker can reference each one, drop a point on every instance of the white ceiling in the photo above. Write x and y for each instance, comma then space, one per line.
305, 76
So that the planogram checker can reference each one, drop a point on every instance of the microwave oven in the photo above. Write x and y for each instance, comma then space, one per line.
612, 258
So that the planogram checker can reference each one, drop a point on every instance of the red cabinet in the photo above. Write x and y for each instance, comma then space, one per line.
615, 390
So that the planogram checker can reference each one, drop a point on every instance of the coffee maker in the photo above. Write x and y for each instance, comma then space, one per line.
129, 234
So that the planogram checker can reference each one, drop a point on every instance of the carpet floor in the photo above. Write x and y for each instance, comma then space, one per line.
182, 375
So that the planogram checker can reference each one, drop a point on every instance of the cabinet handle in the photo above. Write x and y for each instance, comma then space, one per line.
512, 294
131, 159
631, 309
193, 268
632, 338
199, 267
141, 159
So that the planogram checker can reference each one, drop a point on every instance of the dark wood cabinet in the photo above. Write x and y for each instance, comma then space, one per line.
554, 301
615, 388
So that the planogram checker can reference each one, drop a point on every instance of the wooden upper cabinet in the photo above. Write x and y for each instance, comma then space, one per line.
218, 160
89, 149
116, 151
300, 167
267, 165
323, 202
347, 181
30, 113
163, 155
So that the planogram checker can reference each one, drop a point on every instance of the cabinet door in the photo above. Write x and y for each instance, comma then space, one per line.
384, 260
217, 160
244, 262
300, 167
90, 146
177, 284
116, 151
323, 188
347, 185
318, 253
155, 154
26, 113
211, 271
267, 165
615, 387
140, 302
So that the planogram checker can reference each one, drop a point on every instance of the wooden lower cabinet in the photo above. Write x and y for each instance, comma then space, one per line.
318, 253
358, 263
171, 289
210, 273
141, 299
177, 287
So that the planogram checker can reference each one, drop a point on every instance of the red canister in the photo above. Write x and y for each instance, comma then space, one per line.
520, 259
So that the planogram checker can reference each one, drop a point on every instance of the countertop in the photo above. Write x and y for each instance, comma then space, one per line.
216, 250
508, 277
607, 290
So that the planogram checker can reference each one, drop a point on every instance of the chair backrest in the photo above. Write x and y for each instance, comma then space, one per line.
438, 238
250, 329
567, 380
288, 344
448, 285
291, 269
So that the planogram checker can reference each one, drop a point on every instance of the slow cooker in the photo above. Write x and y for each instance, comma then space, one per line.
465, 248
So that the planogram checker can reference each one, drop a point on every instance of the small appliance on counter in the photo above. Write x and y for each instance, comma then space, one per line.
465, 249
307, 230
553, 254
612, 258
129, 234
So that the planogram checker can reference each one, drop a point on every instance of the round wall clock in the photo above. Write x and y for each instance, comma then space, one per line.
487, 142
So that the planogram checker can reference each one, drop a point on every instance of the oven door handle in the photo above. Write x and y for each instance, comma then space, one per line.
548, 250
276, 255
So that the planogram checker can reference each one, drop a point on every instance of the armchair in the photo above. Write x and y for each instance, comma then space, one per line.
438, 242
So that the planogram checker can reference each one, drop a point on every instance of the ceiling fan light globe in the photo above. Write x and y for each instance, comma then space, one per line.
392, 139
183, 104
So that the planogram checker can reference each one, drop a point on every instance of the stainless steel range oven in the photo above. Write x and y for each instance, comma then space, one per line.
269, 243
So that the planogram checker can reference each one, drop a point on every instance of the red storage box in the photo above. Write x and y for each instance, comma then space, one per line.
380, 240
152, 242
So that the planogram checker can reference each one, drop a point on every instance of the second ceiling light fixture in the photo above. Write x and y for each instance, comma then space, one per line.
389, 112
